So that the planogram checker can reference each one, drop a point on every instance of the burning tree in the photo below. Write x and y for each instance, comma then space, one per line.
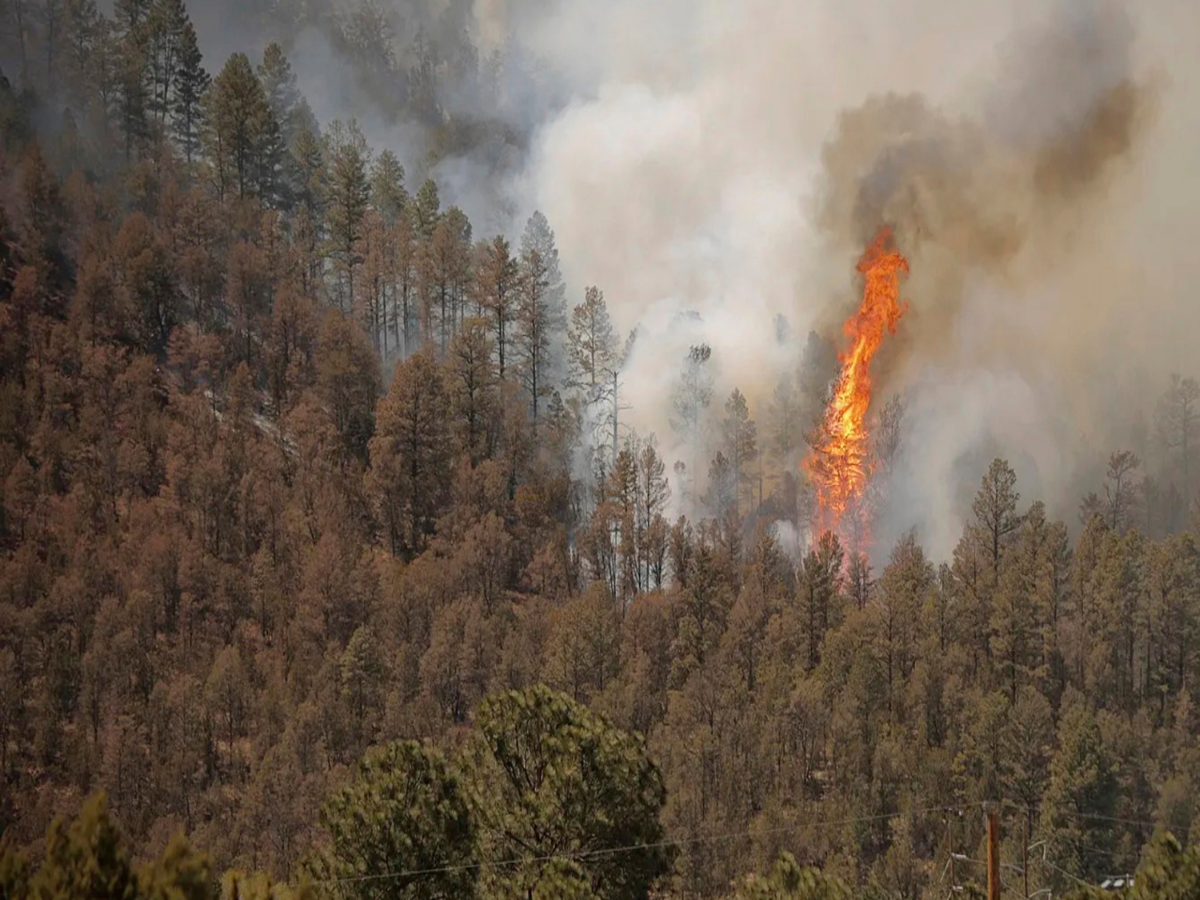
840, 463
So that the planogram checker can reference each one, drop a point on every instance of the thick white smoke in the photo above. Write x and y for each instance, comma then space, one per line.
704, 163
688, 174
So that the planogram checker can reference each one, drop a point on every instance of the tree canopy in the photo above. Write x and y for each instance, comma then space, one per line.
328, 541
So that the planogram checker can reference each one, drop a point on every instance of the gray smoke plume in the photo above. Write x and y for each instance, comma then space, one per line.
353, 60
992, 209
1036, 158
1006, 194
1033, 157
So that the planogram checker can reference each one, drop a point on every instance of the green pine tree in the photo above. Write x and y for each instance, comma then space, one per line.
191, 84
348, 195
555, 786
401, 830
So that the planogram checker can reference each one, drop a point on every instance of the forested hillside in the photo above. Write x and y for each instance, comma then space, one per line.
310, 491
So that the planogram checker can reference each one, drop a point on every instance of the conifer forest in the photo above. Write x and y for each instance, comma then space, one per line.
365, 533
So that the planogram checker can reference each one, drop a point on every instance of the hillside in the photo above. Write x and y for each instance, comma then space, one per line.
314, 497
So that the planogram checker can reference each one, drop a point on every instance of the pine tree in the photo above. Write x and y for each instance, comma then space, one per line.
784, 428
281, 127
653, 493
904, 587
309, 181
995, 509
377, 280
422, 99
692, 394
558, 784
87, 858
496, 291
458, 228
362, 674
1118, 579
425, 210
740, 443
591, 345
1027, 742
130, 15
132, 95
1084, 614
404, 806
167, 26
53, 16
279, 86
236, 112
347, 161
820, 587
387, 187
82, 27
348, 381
1121, 491
473, 382
1016, 622
788, 881
132, 100
1054, 603
978, 555
1080, 802
43, 220
541, 315
270, 176
191, 84
105, 73
409, 454
859, 583
440, 261
721, 496
408, 261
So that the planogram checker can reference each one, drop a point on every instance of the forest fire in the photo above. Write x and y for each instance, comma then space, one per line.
839, 465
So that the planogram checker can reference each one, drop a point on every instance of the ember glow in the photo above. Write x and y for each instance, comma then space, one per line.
839, 465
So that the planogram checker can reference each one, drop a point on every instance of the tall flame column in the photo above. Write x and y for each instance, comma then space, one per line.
839, 465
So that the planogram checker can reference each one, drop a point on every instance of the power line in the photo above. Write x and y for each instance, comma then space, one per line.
722, 837
633, 848
1082, 815
1112, 855
1062, 871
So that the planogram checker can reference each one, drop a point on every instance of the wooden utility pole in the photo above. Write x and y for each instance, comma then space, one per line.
1025, 855
950, 848
993, 855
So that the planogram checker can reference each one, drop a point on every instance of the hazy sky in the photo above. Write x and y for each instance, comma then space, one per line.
689, 174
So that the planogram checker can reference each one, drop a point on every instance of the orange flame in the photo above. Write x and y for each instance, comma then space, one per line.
839, 466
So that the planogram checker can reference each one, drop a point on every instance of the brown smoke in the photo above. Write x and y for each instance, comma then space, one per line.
1007, 193
734, 160
1013, 214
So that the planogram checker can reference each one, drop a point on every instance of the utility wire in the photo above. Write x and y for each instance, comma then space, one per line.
1081, 815
633, 848
1112, 855
1062, 871
719, 838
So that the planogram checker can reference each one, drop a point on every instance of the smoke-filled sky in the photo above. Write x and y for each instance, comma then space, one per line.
1037, 157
